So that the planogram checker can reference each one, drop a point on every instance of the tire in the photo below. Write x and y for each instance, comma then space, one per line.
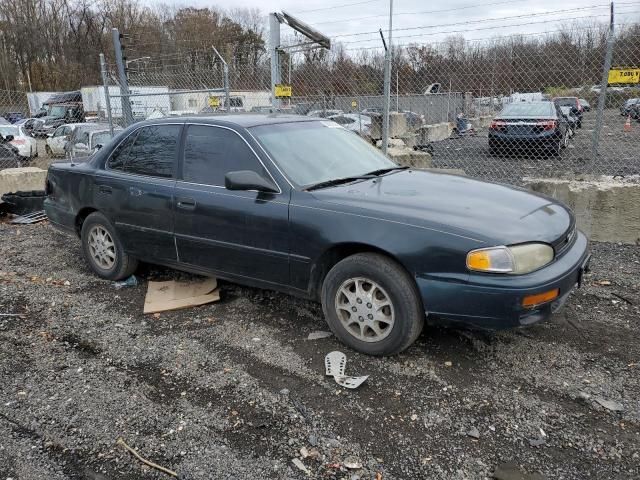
556, 150
565, 140
402, 311
117, 264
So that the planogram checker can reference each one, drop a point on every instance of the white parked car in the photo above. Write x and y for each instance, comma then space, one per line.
26, 145
89, 142
360, 124
58, 139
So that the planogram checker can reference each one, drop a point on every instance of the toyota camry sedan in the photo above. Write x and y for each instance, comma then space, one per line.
303, 206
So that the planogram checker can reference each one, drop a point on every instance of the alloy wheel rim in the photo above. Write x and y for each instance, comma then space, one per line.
365, 309
102, 247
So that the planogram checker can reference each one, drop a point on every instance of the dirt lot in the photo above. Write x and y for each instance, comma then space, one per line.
619, 154
234, 389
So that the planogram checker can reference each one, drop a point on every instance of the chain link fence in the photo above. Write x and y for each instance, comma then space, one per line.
13, 107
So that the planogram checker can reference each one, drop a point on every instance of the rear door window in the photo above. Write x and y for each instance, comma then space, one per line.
150, 151
212, 152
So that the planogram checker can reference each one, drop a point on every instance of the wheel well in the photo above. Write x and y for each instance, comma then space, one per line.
334, 255
81, 216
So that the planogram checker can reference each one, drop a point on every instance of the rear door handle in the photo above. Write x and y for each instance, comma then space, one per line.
136, 192
105, 189
186, 203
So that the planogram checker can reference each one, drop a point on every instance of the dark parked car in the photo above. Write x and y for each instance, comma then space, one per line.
13, 117
627, 106
635, 111
530, 128
301, 205
586, 106
574, 104
571, 119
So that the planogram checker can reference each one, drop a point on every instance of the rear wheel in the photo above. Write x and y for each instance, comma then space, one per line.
372, 304
103, 251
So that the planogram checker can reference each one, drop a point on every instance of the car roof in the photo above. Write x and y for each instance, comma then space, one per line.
244, 120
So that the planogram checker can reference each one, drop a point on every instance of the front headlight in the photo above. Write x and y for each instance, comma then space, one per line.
516, 259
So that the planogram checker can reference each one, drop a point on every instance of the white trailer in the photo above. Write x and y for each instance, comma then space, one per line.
37, 99
240, 100
94, 101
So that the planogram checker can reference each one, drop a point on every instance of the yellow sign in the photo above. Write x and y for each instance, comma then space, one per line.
354, 104
214, 102
624, 75
283, 90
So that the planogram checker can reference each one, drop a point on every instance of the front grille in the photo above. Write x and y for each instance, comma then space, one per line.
565, 241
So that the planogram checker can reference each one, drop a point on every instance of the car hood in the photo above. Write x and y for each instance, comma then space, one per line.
50, 119
490, 213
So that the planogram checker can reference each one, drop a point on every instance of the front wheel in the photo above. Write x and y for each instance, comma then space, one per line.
372, 304
103, 251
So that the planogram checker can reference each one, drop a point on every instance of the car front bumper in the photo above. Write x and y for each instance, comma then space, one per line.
494, 301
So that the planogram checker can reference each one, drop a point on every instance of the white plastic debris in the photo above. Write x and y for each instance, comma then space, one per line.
335, 364
298, 463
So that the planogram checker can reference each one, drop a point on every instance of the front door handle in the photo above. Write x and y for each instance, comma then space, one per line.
105, 189
186, 203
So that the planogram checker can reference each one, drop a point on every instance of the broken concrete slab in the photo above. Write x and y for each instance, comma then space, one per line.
408, 157
607, 209
393, 142
21, 179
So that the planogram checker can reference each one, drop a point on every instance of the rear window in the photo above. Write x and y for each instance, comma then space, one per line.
527, 109
566, 101
149, 151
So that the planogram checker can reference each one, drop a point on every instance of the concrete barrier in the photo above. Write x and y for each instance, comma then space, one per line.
21, 179
435, 132
397, 125
606, 209
408, 157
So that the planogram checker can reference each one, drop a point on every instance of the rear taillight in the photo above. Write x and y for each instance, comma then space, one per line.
497, 125
547, 125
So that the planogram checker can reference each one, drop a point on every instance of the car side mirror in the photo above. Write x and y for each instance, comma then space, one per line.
8, 138
98, 147
574, 110
49, 135
248, 180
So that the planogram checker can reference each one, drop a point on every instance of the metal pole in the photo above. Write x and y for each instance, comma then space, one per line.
107, 100
387, 85
603, 88
397, 91
122, 77
225, 79
274, 45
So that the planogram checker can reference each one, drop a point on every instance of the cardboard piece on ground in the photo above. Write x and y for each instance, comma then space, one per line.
172, 295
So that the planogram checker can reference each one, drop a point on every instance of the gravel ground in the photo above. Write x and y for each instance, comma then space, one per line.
234, 389
619, 154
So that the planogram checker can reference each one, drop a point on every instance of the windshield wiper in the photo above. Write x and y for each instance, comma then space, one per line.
382, 171
338, 181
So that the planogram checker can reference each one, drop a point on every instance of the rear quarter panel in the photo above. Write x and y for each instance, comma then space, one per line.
70, 189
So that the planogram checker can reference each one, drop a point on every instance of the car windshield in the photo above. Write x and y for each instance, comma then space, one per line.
9, 130
527, 109
313, 152
57, 111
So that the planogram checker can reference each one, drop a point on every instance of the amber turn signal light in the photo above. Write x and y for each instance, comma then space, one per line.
539, 298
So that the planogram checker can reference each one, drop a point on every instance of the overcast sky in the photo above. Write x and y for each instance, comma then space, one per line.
471, 18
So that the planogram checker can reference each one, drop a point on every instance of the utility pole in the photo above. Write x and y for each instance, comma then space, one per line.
387, 84
603, 87
274, 51
225, 79
122, 76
